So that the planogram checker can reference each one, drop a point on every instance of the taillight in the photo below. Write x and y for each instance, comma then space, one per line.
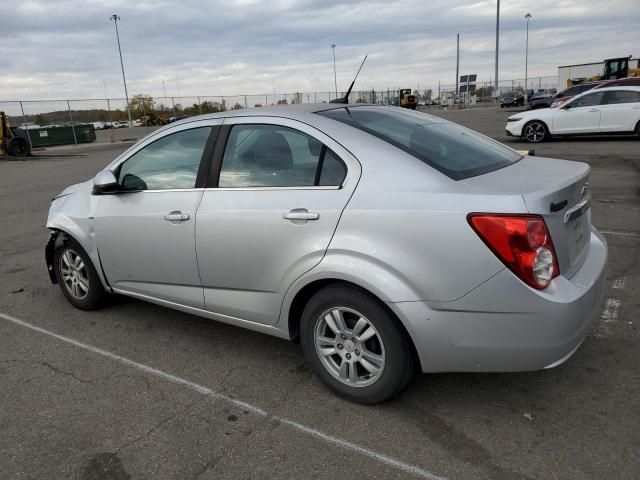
522, 243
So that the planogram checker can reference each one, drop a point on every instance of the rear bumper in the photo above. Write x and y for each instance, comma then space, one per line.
504, 325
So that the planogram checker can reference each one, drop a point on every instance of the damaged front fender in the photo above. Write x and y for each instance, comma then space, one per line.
56, 238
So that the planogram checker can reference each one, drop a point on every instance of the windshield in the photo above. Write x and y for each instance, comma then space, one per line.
453, 150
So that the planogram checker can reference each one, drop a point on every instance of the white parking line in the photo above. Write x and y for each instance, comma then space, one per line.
622, 234
618, 283
608, 317
330, 439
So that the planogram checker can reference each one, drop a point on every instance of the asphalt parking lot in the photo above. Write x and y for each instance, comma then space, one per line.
137, 391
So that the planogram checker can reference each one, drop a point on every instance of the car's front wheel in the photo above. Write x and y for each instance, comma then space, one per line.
354, 345
535, 131
77, 276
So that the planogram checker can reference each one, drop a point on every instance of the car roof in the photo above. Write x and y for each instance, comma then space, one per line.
635, 88
302, 112
604, 89
281, 110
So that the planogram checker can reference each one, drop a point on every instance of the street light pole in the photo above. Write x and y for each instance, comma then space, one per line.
496, 94
335, 78
526, 61
115, 19
457, 63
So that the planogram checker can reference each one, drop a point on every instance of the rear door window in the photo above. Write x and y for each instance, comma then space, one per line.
622, 96
277, 156
333, 170
453, 150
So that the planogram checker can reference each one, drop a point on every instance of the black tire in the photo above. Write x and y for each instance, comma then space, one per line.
399, 362
638, 130
538, 133
18, 147
94, 297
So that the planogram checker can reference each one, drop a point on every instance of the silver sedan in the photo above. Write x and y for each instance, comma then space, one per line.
385, 241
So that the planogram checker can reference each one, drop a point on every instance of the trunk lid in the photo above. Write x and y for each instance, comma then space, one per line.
557, 190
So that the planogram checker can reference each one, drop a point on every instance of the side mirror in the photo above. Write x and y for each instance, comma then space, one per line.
105, 183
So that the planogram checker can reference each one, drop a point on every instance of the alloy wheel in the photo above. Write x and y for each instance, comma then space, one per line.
74, 274
349, 347
535, 132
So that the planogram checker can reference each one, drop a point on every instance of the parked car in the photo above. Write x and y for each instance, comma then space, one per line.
541, 100
137, 123
612, 110
568, 93
455, 263
621, 82
98, 125
512, 99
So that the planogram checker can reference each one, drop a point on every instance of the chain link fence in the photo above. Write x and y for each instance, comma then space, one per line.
108, 113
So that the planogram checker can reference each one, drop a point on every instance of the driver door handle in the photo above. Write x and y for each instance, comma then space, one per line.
594, 110
176, 216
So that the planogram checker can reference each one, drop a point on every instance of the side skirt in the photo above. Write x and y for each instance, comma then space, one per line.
237, 322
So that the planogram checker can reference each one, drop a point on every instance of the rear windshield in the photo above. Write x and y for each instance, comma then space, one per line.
453, 150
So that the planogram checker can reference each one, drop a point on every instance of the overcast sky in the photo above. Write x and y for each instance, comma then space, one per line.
67, 49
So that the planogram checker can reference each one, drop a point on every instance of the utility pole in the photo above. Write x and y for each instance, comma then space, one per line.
497, 92
526, 60
457, 61
335, 78
115, 19
164, 89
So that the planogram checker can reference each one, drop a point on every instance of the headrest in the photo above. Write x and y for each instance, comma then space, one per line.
272, 152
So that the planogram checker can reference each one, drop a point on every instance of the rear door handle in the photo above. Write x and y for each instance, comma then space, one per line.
300, 214
594, 110
176, 216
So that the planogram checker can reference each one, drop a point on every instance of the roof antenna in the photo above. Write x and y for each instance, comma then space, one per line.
345, 99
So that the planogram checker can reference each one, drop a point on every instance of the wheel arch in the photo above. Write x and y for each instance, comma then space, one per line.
304, 294
58, 235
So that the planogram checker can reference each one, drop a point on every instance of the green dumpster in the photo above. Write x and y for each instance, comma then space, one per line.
59, 135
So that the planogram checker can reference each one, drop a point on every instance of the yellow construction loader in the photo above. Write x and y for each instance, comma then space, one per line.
408, 99
152, 119
12, 145
614, 68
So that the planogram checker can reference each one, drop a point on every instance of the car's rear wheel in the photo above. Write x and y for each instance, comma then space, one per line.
535, 131
77, 276
354, 345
